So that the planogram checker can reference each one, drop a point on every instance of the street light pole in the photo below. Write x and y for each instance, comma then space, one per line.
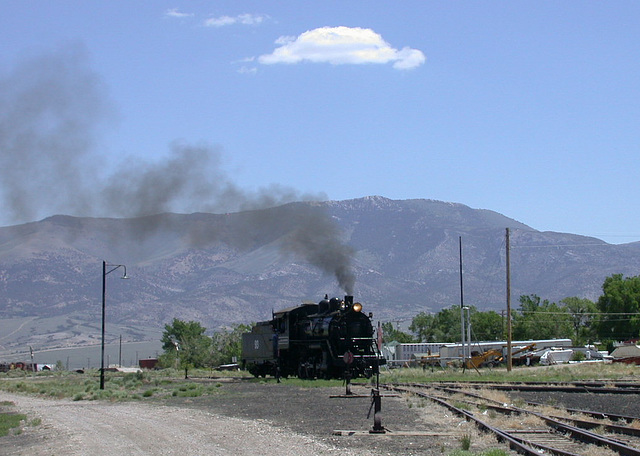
104, 301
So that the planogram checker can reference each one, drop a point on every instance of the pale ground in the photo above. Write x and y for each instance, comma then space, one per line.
133, 428
243, 419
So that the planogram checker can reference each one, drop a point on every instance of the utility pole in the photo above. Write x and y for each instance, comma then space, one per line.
509, 336
464, 350
468, 332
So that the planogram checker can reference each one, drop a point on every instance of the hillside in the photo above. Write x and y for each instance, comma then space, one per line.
397, 257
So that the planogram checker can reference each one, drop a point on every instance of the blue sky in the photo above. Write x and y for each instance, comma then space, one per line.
530, 109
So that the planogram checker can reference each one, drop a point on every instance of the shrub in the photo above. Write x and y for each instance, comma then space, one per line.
578, 356
465, 442
9, 421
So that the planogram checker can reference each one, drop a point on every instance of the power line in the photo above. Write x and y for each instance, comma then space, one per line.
577, 313
603, 244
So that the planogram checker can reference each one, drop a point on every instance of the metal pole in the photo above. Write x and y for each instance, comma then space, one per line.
468, 332
508, 269
120, 353
104, 298
464, 350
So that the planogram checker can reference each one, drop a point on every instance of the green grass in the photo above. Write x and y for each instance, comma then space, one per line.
465, 442
549, 374
492, 452
9, 419
118, 386
304, 383
166, 383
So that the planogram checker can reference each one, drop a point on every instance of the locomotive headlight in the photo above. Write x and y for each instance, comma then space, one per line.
357, 307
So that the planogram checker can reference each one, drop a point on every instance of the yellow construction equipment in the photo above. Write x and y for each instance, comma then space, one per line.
488, 358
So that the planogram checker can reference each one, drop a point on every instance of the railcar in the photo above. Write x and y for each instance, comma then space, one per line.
331, 339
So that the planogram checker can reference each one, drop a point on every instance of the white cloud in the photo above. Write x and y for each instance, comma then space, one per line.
251, 19
244, 19
409, 58
247, 70
342, 45
173, 12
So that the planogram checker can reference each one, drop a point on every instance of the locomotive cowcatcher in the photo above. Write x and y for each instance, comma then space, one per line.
331, 339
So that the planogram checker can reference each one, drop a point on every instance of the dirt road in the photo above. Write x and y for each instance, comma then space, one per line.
134, 428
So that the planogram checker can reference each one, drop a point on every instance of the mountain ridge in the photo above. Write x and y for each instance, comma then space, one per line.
400, 257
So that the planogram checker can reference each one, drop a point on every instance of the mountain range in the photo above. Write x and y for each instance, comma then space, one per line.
397, 257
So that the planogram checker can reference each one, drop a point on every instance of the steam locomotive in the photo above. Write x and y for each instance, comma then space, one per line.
331, 339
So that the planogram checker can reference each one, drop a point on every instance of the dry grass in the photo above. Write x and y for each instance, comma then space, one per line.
553, 374
455, 429
558, 373
495, 395
550, 410
516, 421
594, 450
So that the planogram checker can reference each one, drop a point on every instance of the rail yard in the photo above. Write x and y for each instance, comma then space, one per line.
534, 428
431, 415
436, 417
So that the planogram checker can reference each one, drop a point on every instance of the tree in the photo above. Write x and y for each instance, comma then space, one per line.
449, 325
441, 327
583, 316
391, 334
423, 325
185, 345
540, 319
620, 308
445, 326
227, 344
487, 325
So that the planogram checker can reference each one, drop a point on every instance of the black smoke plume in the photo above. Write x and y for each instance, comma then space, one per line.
52, 109
317, 239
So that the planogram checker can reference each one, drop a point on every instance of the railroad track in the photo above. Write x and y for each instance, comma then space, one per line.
567, 387
546, 433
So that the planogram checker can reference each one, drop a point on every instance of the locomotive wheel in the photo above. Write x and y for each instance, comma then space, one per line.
307, 369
